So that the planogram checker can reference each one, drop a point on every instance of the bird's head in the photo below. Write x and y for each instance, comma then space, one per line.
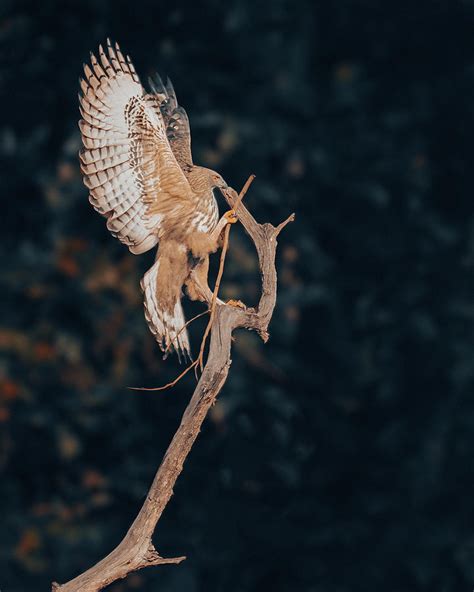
216, 180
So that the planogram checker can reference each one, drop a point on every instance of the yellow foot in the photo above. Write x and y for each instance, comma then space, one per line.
231, 217
236, 303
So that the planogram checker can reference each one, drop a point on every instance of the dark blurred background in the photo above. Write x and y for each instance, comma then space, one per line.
339, 457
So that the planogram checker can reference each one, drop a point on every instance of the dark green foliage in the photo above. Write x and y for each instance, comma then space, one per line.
339, 457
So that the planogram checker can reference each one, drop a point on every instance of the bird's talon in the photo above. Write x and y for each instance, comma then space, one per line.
236, 303
231, 217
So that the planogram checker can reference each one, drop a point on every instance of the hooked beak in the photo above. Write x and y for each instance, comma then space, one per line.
223, 187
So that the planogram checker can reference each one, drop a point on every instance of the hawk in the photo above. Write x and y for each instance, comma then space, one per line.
136, 162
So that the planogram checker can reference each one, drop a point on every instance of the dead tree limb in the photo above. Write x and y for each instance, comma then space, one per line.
136, 550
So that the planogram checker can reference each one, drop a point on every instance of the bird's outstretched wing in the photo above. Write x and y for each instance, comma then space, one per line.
175, 119
127, 162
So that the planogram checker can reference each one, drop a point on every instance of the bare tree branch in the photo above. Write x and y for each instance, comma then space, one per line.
136, 550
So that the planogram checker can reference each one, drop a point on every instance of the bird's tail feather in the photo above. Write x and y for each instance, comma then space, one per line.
165, 322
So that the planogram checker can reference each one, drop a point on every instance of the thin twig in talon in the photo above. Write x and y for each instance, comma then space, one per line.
225, 246
242, 193
200, 357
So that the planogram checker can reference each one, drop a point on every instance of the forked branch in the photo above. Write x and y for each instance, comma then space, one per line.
136, 550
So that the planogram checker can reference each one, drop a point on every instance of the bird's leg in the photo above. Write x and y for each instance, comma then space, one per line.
199, 273
229, 217
205, 292
202, 288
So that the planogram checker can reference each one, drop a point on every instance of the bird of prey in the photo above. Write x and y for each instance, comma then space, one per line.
136, 162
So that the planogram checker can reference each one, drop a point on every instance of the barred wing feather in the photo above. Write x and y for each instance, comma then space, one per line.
127, 162
175, 119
